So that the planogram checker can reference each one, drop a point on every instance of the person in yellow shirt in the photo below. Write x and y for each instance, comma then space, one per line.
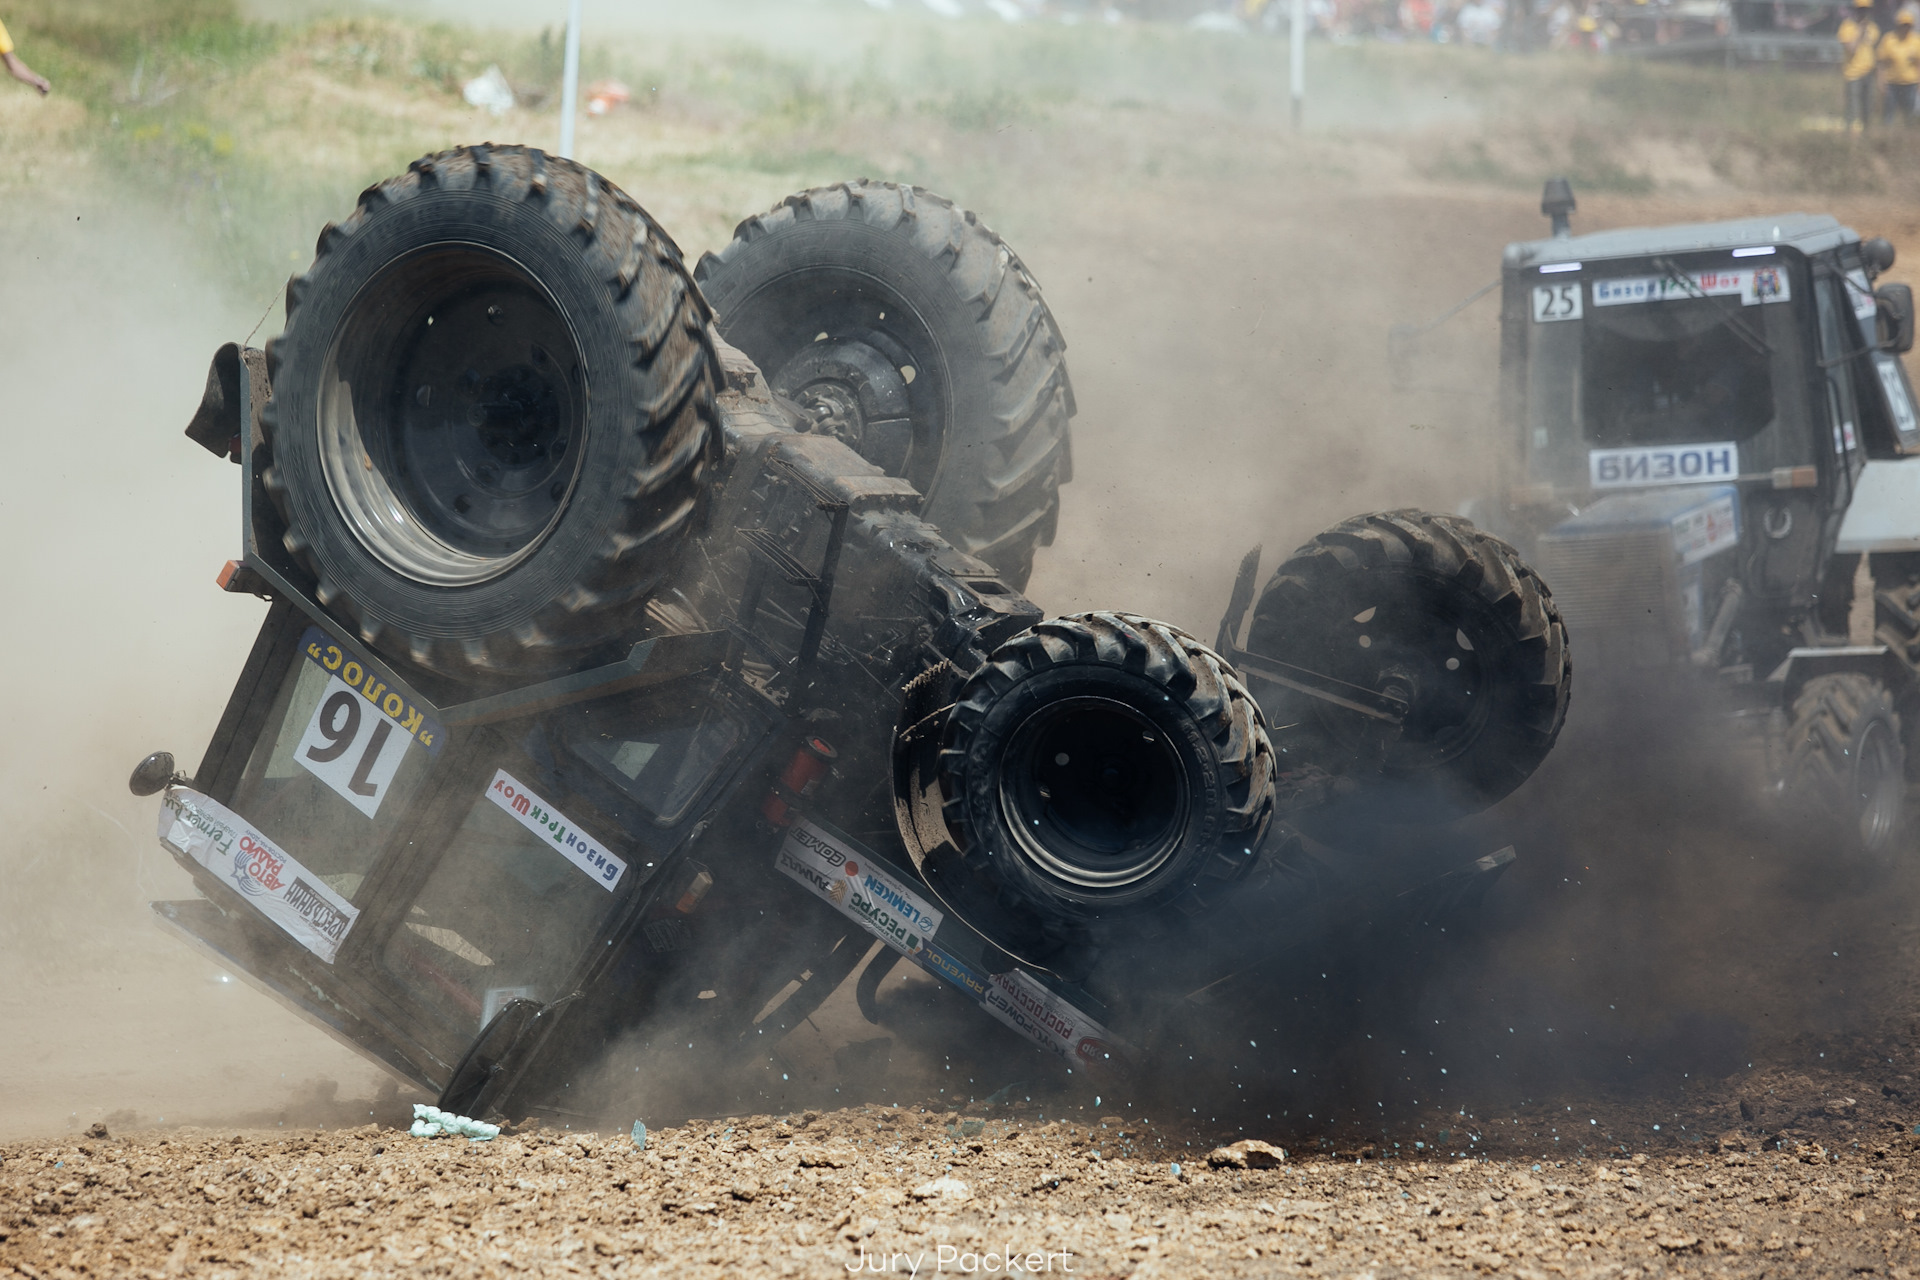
1858, 36
1900, 66
16, 68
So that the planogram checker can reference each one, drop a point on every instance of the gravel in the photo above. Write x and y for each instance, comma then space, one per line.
892, 1188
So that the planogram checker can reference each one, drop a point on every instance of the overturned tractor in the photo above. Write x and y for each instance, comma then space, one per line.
632, 664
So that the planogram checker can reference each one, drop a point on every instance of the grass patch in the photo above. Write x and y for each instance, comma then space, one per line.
261, 132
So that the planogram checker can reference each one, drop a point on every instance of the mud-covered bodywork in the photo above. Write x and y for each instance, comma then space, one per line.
720, 809
610, 705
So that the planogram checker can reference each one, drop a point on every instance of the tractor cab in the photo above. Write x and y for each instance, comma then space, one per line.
1713, 459
1692, 410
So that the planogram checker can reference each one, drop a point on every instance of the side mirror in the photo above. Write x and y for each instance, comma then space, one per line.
1895, 316
152, 774
1877, 253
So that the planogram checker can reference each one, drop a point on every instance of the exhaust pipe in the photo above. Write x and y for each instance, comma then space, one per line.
1556, 202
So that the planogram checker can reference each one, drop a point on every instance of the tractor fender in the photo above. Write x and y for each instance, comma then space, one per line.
1875, 660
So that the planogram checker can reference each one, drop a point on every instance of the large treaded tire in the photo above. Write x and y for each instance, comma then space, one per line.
910, 311
1846, 768
604, 447
1385, 602
1197, 788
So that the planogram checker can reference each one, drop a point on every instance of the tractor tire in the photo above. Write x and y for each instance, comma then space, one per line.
493, 413
901, 325
1103, 765
1845, 765
1447, 617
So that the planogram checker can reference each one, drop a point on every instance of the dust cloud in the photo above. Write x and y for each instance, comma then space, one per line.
117, 643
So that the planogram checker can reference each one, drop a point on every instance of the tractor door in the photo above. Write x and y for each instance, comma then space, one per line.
1888, 424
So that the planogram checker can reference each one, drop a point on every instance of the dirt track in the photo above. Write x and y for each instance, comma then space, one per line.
895, 1189
1639, 956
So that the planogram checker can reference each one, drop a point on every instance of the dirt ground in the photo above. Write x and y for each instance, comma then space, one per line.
1675, 1047
911, 1189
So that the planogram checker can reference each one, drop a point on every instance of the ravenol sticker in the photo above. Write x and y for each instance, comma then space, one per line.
266, 875
1018, 1000
882, 905
1752, 285
1662, 464
939, 963
541, 818
325, 652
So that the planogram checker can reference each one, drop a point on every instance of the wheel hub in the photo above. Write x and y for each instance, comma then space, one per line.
1095, 793
851, 391
453, 415
1399, 649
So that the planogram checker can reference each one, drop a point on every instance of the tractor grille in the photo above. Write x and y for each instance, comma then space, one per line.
1617, 594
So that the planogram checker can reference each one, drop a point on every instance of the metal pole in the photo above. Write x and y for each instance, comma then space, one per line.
1297, 56
570, 79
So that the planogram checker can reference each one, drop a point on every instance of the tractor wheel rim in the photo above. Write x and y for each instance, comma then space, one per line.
1095, 793
1879, 787
452, 415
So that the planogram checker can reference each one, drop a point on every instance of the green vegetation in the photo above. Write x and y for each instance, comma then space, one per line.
260, 132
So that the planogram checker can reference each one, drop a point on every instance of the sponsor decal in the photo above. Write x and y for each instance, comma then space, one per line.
830, 866
271, 880
835, 868
1865, 305
325, 652
939, 963
1707, 529
1752, 285
1019, 1000
541, 818
1662, 464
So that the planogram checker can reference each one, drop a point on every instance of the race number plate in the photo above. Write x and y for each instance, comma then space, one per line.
1557, 301
352, 746
359, 733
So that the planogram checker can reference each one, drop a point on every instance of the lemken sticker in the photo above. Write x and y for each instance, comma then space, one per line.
282, 890
1662, 464
832, 869
1018, 1000
326, 653
541, 818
